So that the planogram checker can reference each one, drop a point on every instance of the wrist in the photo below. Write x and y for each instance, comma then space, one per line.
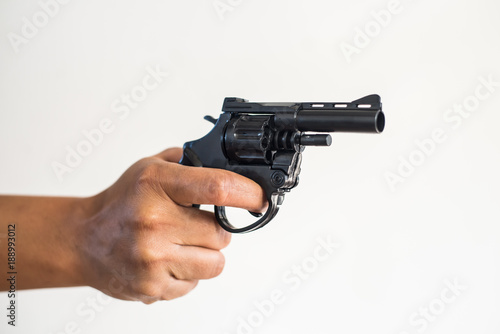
83, 212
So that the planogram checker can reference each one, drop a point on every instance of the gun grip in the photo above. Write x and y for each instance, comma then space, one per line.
189, 158
272, 210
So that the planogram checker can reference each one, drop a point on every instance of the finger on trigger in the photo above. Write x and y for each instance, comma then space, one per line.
194, 185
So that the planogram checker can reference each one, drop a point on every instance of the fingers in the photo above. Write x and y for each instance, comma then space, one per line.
199, 228
175, 271
193, 185
173, 154
178, 288
168, 289
179, 225
194, 263
184, 242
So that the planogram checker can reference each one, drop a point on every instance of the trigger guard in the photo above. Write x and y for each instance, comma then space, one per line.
272, 210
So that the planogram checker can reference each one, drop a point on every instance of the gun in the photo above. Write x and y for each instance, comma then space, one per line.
265, 141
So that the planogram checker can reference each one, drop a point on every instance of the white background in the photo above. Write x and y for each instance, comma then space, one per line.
397, 246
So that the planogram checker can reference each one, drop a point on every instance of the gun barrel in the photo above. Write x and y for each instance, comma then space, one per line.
345, 120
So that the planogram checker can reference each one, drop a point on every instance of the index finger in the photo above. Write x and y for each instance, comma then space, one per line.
196, 185
173, 154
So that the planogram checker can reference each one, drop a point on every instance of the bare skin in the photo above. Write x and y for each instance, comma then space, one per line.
140, 239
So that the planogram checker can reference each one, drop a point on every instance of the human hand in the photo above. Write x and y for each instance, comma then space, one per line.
146, 242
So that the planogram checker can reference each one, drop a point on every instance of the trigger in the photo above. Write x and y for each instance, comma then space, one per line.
281, 198
210, 119
256, 214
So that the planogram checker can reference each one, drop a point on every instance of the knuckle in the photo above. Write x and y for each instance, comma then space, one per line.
172, 294
147, 218
148, 173
224, 237
147, 257
218, 186
149, 290
218, 264
149, 301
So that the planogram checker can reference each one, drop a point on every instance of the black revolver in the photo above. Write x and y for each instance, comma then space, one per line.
264, 142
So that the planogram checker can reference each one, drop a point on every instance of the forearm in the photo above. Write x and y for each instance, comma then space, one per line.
46, 247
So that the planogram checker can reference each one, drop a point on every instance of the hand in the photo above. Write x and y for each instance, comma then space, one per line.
146, 242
